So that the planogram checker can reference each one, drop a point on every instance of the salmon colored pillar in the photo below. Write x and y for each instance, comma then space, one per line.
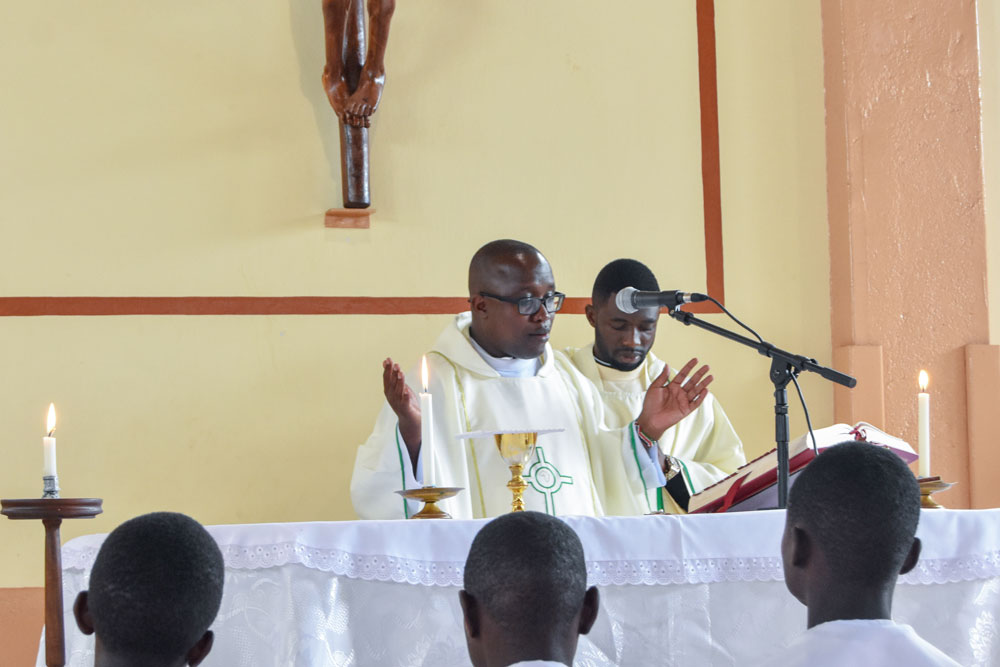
907, 227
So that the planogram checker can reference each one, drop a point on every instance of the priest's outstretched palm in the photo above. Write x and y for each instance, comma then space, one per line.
405, 403
667, 403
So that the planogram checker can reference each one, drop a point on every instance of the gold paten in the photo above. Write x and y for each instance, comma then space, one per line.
516, 450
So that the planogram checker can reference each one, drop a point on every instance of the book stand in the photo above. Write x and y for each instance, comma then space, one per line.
52, 511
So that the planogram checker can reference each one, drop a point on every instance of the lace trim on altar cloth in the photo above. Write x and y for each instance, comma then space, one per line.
951, 570
599, 573
689, 571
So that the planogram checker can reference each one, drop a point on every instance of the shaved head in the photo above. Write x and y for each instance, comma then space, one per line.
525, 591
861, 504
501, 273
498, 262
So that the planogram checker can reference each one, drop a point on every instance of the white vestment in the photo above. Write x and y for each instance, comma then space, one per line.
704, 442
566, 475
881, 643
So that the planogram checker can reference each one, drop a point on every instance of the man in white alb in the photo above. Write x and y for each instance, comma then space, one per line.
850, 531
699, 449
493, 369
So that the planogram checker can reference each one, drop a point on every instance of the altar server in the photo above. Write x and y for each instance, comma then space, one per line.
493, 369
155, 589
525, 600
700, 447
850, 531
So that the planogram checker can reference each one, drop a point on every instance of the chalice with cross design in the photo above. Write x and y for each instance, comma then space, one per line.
516, 447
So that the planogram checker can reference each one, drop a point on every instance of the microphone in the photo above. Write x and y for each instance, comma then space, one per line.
630, 300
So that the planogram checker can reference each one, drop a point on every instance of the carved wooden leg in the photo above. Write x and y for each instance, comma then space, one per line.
354, 166
354, 140
55, 638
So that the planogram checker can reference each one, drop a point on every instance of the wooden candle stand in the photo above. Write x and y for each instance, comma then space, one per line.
52, 511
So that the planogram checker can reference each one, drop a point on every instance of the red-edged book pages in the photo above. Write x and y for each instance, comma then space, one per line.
754, 484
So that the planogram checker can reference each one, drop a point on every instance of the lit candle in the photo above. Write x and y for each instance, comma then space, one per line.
49, 444
426, 427
924, 427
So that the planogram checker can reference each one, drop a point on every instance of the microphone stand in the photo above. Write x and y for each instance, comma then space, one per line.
784, 366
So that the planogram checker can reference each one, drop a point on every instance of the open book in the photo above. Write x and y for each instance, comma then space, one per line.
755, 485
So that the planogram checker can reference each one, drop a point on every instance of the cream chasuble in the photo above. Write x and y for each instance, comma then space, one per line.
469, 395
704, 442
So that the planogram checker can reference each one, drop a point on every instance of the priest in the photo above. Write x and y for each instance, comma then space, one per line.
699, 445
493, 369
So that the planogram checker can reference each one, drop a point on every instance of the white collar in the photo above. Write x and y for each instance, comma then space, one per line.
509, 367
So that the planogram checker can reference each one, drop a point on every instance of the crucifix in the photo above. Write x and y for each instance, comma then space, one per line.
353, 80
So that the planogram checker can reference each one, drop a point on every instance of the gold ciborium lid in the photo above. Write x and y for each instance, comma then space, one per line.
516, 447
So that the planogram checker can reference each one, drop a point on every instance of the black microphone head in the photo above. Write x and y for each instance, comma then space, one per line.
625, 300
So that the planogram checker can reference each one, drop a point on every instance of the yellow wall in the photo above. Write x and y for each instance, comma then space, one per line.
188, 149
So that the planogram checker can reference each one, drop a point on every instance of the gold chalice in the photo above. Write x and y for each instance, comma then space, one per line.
516, 447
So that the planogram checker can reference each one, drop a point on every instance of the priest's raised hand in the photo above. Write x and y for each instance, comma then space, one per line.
405, 404
668, 402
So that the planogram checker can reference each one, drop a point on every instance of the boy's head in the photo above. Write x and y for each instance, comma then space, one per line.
155, 589
526, 590
851, 522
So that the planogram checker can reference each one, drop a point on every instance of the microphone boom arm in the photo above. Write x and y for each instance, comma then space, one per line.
784, 366
796, 361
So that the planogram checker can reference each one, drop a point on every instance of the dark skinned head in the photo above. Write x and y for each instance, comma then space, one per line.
509, 269
622, 340
155, 588
525, 595
850, 531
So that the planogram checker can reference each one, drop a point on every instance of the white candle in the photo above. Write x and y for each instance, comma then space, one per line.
924, 427
49, 444
426, 427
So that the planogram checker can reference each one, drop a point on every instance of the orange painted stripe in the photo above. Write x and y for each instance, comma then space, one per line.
708, 88
230, 305
96, 306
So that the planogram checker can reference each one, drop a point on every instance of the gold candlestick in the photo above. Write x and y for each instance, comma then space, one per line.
429, 496
929, 485
516, 449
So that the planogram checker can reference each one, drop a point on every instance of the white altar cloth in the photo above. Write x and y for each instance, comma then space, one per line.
675, 590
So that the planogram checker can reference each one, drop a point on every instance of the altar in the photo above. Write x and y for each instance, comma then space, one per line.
675, 590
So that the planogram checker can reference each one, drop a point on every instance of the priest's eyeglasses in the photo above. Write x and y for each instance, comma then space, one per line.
529, 305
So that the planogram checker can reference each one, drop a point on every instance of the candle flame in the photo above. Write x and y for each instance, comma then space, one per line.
423, 372
50, 423
922, 380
